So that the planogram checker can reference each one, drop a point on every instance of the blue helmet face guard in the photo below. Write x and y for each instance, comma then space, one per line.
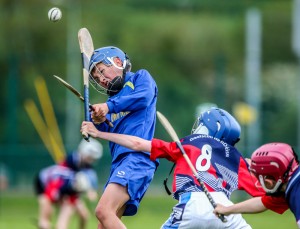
106, 56
218, 123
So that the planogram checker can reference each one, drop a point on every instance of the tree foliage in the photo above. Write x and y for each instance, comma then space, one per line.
195, 51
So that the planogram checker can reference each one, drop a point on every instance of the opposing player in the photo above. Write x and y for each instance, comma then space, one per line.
131, 107
276, 166
61, 186
219, 164
64, 184
84, 156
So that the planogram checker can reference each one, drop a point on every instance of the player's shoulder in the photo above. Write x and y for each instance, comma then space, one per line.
294, 182
202, 138
144, 74
142, 77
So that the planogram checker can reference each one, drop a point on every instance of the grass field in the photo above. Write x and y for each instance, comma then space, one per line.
20, 212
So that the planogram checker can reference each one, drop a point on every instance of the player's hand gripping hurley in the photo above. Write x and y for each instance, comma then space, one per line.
77, 93
86, 48
166, 124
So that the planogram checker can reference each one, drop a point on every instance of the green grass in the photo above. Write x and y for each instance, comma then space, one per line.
20, 211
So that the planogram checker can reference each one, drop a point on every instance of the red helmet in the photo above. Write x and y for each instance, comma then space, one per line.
277, 160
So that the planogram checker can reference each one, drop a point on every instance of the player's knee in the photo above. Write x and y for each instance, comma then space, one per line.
101, 213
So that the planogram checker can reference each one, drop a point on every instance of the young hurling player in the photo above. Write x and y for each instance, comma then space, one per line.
131, 107
63, 184
60, 186
276, 166
219, 164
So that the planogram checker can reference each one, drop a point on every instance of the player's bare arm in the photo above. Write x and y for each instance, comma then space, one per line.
128, 141
253, 205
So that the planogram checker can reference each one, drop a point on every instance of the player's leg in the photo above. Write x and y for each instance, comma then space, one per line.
128, 182
45, 205
111, 206
65, 213
83, 213
45, 212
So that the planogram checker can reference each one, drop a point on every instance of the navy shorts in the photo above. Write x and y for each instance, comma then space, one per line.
134, 171
38, 186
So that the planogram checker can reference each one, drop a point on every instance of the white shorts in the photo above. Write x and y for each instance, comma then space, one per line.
194, 211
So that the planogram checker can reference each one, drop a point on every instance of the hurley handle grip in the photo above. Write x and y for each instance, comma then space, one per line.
106, 120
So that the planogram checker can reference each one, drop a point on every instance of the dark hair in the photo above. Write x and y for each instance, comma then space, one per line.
295, 155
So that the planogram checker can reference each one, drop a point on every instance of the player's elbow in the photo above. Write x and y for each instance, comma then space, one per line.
140, 145
135, 145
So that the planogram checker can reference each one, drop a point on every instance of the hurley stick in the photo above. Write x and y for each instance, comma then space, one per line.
77, 93
86, 48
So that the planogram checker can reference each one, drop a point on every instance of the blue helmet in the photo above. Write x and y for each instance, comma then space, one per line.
106, 56
218, 123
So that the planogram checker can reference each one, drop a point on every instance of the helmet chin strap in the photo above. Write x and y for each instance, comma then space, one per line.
115, 85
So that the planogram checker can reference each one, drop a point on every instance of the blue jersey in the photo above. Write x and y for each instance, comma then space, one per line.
133, 110
293, 193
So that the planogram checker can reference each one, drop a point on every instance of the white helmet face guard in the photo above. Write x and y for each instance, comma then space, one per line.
270, 191
98, 87
200, 129
195, 126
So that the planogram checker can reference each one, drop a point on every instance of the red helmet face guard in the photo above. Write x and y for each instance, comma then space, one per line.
275, 160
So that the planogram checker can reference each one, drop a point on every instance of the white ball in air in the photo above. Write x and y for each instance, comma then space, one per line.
54, 14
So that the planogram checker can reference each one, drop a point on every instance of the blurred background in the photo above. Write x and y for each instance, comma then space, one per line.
242, 56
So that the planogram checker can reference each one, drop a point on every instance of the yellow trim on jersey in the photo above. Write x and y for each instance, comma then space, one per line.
129, 84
